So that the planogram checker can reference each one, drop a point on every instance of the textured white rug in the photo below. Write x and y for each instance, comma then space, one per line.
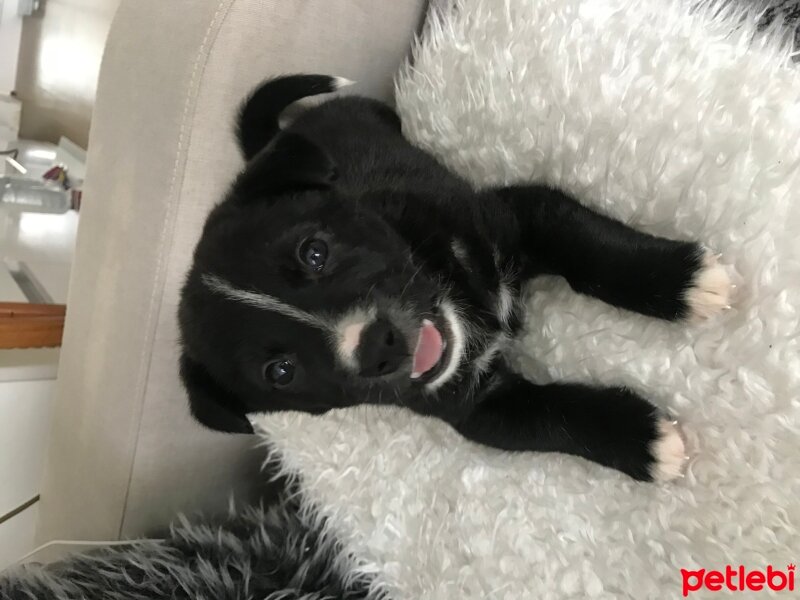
676, 123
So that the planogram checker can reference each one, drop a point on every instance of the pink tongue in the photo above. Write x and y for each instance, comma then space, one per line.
429, 349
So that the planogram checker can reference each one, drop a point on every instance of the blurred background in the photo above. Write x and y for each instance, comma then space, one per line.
50, 55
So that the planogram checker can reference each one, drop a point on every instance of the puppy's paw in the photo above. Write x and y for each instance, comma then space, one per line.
668, 452
710, 290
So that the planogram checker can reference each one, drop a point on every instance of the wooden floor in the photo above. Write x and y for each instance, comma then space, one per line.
62, 46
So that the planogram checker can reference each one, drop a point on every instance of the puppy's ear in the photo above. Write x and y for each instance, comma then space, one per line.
290, 162
258, 117
210, 404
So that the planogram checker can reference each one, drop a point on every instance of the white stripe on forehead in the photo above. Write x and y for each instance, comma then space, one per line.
263, 301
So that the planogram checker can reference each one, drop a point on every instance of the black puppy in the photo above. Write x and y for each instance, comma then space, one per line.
345, 266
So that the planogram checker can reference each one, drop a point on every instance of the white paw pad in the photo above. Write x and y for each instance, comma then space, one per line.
710, 292
668, 451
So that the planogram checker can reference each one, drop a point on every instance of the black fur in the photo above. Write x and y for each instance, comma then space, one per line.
405, 236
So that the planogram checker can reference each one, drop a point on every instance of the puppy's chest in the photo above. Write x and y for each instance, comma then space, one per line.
487, 282
493, 297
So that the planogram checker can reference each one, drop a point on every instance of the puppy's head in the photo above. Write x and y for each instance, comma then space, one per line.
301, 297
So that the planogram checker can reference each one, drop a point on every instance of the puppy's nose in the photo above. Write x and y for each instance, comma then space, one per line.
382, 349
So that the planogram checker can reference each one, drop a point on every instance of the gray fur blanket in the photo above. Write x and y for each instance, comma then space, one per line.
275, 553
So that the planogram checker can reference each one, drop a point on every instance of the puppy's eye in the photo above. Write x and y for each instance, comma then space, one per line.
313, 253
279, 372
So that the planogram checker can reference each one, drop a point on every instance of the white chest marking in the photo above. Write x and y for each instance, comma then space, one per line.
505, 304
461, 254
482, 363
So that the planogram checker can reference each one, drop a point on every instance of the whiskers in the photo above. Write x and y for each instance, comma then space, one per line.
410, 280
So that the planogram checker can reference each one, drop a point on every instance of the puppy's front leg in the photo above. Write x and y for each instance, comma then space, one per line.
606, 259
610, 426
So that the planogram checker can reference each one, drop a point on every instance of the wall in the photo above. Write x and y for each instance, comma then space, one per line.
10, 32
60, 55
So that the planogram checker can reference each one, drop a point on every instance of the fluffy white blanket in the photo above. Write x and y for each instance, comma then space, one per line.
675, 121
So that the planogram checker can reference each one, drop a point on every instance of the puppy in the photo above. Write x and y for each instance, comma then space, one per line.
346, 266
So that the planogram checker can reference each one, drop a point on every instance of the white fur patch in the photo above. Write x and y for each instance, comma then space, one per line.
291, 112
710, 292
342, 82
457, 341
484, 360
351, 335
496, 256
505, 304
262, 301
347, 334
460, 253
669, 452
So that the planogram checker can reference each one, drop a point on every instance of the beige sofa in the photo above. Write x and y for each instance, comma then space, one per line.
124, 455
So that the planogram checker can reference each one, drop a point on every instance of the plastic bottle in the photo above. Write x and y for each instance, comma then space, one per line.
30, 195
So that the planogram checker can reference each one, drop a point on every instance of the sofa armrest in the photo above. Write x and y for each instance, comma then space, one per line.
124, 454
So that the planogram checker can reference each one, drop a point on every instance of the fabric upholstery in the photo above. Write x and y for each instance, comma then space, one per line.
124, 454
